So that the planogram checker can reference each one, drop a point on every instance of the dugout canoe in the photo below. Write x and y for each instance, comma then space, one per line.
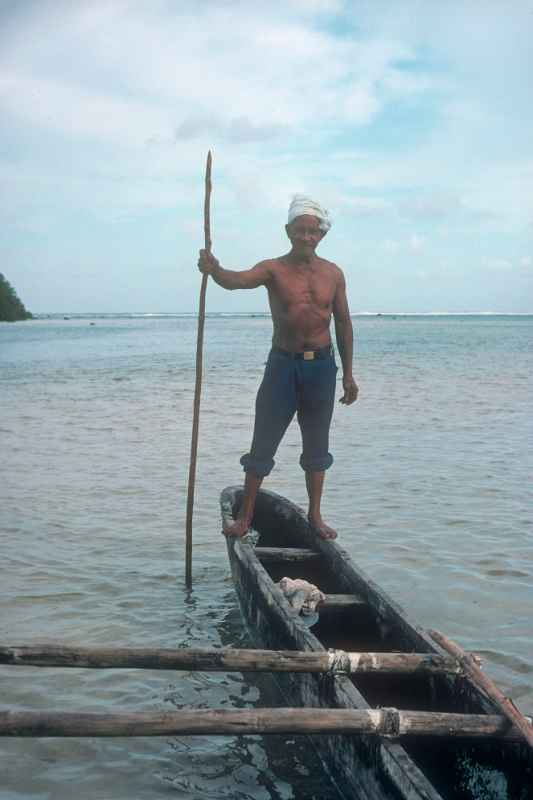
359, 616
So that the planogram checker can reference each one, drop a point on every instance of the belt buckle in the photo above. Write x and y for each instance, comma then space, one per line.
309, 355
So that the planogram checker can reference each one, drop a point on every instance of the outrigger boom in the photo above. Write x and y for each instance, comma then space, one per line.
226, 660
222, 722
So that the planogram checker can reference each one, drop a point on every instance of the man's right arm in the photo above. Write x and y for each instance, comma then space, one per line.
231, 279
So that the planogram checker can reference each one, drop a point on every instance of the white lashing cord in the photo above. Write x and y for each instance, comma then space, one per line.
342, 662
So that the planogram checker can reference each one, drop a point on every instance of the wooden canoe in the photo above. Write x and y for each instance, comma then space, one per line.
359, 616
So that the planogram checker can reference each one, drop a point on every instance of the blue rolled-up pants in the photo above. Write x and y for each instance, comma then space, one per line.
293, 386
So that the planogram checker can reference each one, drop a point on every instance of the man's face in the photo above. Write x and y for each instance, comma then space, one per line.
304, 234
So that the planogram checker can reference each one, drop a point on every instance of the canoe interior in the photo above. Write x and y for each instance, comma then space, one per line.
459, 769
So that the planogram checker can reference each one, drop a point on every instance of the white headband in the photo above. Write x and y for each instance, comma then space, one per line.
304, 205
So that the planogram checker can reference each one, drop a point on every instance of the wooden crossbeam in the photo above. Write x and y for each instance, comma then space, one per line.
226, 660
342, 601
222, 722
285, 554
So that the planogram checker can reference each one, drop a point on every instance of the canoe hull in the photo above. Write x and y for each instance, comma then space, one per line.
366, 767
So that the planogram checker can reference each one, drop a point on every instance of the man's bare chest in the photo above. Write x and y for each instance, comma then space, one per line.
313, 287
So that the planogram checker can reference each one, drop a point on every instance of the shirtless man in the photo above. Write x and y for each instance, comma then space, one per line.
303, 291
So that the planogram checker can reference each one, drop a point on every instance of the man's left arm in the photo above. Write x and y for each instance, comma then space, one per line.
344, 336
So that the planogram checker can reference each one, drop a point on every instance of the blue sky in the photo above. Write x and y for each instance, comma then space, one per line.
412, 122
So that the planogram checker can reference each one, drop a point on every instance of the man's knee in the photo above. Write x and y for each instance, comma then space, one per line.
260, 467
316, 463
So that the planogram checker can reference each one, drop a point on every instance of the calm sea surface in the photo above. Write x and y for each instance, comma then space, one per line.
430, 492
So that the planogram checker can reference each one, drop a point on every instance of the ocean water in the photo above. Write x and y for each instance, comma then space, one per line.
430, 493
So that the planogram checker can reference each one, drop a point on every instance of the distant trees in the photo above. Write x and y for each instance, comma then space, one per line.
11, 308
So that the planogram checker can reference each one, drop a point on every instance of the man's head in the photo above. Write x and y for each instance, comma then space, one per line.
301, 204
308, 223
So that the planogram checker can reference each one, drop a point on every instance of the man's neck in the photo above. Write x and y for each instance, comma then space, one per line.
304, 262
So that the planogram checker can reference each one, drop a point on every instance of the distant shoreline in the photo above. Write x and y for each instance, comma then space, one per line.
66, 315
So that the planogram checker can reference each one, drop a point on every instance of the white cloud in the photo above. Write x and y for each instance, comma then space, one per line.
416, 243
499, 264
504, 188
74, 111
399, 115
316, 6
436, 204
364, 206
237, 129
123, 63
391, 246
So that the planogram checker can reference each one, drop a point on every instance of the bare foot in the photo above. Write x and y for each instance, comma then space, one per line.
238, 528
323, 530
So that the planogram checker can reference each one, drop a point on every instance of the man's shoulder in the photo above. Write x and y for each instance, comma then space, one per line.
330, 266
272, 266
276, 262
267, 264
264, 269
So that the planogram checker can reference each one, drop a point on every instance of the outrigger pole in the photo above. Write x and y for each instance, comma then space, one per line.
388, 721
198, 385
225, 722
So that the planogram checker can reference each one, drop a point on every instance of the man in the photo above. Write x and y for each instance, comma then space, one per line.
303, 291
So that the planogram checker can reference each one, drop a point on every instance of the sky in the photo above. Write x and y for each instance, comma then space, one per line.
412, 122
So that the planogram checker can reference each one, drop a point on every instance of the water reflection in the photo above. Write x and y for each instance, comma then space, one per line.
248, 767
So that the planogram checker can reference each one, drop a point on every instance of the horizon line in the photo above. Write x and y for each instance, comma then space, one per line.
268, 314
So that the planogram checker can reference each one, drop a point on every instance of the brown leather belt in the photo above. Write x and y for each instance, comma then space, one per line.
306, 355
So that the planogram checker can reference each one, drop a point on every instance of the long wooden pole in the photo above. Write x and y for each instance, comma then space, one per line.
227, 660
223, 722
198, 385
486, 685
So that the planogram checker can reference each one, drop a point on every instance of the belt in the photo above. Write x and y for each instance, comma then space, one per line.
306, 355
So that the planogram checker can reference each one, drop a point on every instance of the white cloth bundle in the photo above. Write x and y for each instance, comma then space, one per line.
303, 597
304, 205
